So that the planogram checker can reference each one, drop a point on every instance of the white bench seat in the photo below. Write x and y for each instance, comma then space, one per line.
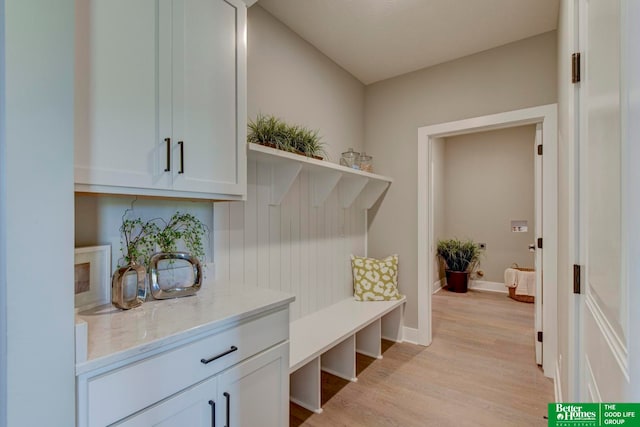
328, 340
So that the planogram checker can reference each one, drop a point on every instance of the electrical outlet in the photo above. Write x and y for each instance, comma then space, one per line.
483, 246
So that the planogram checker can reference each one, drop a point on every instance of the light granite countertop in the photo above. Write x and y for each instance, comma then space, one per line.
111, 336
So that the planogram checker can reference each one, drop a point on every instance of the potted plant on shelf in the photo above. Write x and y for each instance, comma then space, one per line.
174, 273
269, 131
460, 259
307, 142
275, 133
128, 288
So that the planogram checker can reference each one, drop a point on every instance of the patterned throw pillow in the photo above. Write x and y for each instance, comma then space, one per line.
375, 279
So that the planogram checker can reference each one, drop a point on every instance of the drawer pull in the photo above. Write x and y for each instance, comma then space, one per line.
218, 356
181, 144
227, 396
213, 413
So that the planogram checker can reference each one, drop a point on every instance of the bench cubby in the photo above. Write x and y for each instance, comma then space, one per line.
328, 340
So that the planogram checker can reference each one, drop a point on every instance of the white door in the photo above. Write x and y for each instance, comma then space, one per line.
256, 392
538, 234
194, 407
605, 329
116, 135
208, 40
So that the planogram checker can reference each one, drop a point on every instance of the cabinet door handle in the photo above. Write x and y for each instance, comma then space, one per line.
218, 356
213, 413
227, 396
181, 144
168, 168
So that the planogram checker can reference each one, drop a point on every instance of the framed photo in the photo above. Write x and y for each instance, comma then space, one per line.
92, 277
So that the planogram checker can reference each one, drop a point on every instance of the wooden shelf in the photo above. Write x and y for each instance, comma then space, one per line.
352, 184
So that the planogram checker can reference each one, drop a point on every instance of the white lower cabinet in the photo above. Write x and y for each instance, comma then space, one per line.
232, 376
254, 393
194, 407
251, 393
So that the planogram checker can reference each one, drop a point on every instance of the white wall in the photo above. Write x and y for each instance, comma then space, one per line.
289, 78
98, 219
36, 198
514, 76
489, 181
294, 247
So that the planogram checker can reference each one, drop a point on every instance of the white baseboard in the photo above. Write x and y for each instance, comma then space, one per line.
436, 286
486, 286
410, 335
476, 285
557, 385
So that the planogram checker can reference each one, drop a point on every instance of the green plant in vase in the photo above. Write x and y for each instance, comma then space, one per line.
128, 289
138, 239
175, 274
185, 227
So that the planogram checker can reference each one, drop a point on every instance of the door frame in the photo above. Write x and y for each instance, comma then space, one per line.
546, 115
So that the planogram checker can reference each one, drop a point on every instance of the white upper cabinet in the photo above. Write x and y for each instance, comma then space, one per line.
161, 98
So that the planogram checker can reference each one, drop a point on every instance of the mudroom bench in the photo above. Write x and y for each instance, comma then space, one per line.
328, 340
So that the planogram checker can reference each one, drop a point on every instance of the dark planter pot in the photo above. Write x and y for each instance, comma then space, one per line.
457, 281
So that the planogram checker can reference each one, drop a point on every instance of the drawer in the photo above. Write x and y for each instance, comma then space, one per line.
124, 391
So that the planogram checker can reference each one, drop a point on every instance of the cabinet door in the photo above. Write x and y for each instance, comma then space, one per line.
256, 392
194, 407
209, 85
116, 127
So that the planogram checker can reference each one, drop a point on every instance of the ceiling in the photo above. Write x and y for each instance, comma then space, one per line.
378, 39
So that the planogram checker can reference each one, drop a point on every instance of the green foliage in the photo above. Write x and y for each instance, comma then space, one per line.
459, 255
185, 227
138, 239
307, 141
270, 130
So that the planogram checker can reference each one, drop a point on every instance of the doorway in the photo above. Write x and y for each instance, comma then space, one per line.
545, 119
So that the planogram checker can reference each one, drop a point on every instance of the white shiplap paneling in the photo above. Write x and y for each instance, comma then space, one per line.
294, 246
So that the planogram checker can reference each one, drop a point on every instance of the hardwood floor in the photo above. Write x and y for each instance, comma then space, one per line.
479, 371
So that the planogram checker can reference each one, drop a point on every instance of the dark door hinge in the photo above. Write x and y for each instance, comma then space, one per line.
575, 67
576, 279
539, 336
539, 239
539, 149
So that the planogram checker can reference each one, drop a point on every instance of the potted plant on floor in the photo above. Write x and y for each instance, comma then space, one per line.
460, 259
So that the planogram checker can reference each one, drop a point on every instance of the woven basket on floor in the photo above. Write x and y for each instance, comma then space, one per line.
512, 291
